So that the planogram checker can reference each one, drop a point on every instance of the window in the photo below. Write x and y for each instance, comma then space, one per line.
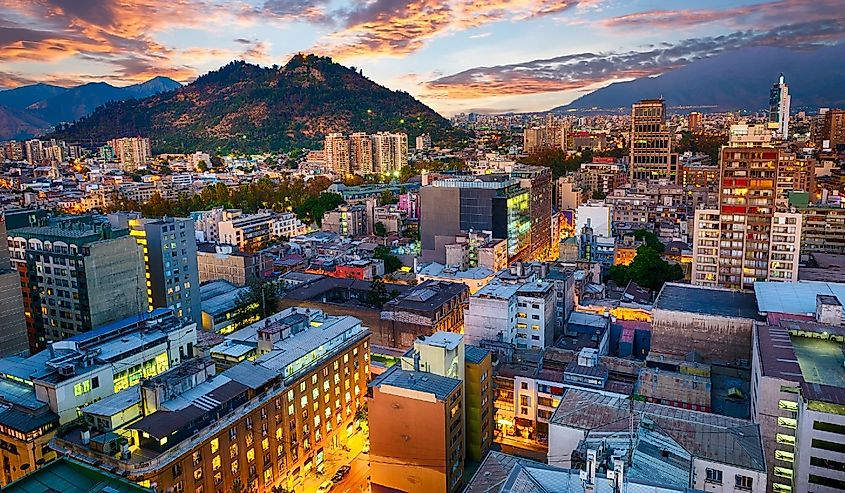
233, 451
523, 385
197, 458
215, 444
829, 427
176, 470
714, 476
826, 445
234, 467
215, 462
178, 487
783, 472
784, 456
250, 455
743, 482
524, 400
197, 474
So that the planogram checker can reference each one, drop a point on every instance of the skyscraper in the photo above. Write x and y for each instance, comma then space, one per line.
390, 152
651, 142
132, 152
833, 129
694, 121
779, 100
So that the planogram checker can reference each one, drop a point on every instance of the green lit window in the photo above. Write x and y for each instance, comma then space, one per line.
82, 387
785, 439
783, 472
784, 456
787, 422
788, 405
781, 488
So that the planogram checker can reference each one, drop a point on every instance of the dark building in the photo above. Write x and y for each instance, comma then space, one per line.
431, 306
651, 142
495, 203
833, 129
13, 337
538, 181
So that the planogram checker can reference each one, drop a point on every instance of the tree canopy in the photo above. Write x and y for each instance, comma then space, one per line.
648, 269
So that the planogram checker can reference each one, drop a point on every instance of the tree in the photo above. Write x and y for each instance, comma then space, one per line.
257, 302
380, 229
377, 295
648, 269
391, 262
387, 197
650, 239
202, 166
217, 162
313, 209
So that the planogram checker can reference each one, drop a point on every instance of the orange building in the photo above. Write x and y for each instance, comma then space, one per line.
416, 432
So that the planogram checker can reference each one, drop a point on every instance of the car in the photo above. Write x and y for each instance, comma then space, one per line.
325, 487
344, 469
366, 449
338, 477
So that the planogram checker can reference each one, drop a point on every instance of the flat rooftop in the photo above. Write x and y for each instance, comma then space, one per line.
70, 476
428, 383
821, 361
798, 298
709, 301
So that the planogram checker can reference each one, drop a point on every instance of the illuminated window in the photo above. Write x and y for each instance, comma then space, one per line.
250, 455
265, 444
233, 451
783, 472
785, 439
215, 462
787, 422
788, 405
784, 456
215, 444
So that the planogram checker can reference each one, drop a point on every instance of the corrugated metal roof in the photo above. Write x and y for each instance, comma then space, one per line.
797, 298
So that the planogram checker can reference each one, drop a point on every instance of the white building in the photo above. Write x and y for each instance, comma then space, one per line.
595, 214
779, 102
520, 314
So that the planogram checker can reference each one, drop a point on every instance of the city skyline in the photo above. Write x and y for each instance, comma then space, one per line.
455, 56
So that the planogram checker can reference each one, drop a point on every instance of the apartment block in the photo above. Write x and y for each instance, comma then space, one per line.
833, 130
270, 420
405, 456
519, 314
131, 152
822, 230
77, 274
346, 220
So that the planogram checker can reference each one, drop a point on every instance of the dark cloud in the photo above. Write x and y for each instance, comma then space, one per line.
576, 71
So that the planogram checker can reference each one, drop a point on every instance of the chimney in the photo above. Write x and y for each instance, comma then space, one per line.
618, 475
828, 310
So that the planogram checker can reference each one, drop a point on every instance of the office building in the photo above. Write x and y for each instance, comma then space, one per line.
538, 181
551, 136
170, 257
495, 203
405, 456
797, 385
47, 389
77, 274
746, 239
287, 402
13, 333
779, 101
651, 156
131, 152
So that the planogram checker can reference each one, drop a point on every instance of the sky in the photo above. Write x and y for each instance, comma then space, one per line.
454, 55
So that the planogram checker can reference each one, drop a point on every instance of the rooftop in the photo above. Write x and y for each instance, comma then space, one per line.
70, 476
429, 383
709, 436
797, 298
428, 295
708, 301
434, 269
475, 354
447, 340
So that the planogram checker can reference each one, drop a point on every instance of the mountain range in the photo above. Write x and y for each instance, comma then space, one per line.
29, 110
734, 80
249, 108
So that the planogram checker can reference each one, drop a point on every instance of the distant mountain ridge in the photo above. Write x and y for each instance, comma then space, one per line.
734, 80
33, 108
249, 108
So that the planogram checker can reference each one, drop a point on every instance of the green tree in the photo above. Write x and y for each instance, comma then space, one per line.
391, 262
378, 294
387, 197
650, 239
648, 269
202, 166
380, 229
313, 209
257, 302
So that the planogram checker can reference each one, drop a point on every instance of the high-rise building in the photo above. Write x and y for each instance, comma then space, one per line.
553, 135
651, 156
779, 101
423, 141
77, 274
13, 338
170, 257
132, 152
390, 152
833, 130
361, 153
14, 151
337, 153
34, 151
289, 397
746, 239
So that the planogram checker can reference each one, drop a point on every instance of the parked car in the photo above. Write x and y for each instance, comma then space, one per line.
325, 487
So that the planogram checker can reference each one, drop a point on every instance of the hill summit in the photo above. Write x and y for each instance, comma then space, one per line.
248, 108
